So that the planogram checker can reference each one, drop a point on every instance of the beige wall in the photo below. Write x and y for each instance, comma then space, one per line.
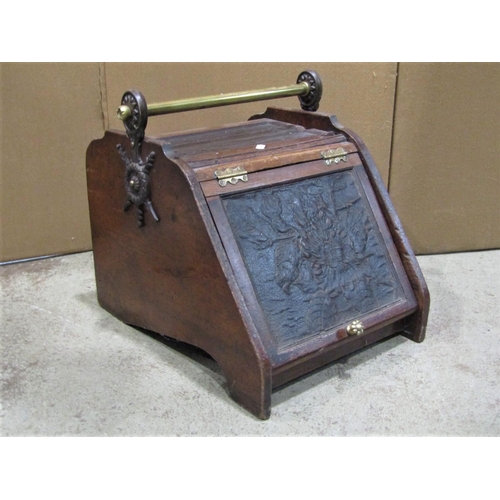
445, 170
50, 112
445, 148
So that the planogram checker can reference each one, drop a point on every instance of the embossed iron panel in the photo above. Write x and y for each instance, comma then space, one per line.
314, 254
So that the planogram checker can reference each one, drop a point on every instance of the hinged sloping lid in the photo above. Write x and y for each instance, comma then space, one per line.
313, 254
248, 140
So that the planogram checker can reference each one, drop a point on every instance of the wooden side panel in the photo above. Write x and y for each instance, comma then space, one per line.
171, 276
417, 323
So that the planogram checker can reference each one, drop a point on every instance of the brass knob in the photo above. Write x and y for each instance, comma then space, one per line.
355, 328
124, 112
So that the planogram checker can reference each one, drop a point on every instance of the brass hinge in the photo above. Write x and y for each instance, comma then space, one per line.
232, 175
334, 155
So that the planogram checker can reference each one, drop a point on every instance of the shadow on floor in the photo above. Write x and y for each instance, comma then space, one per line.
338, 368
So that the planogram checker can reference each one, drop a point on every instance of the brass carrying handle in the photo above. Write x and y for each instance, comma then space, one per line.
212, 101
308, 88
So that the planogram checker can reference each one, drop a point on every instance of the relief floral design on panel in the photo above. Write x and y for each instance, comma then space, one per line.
313, 252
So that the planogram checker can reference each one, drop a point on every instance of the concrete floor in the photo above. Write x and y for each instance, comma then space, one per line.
71, 369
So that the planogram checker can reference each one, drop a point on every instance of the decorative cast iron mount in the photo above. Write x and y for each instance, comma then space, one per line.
134, 112
137, 185
310, 101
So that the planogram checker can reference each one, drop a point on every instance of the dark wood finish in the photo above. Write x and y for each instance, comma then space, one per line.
316, 345
185, 276
281, 175
300, 366
416, 325
171, 276
290, 159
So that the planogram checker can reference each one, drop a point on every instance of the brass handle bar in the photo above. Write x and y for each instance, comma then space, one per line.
302, 89
134, 110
